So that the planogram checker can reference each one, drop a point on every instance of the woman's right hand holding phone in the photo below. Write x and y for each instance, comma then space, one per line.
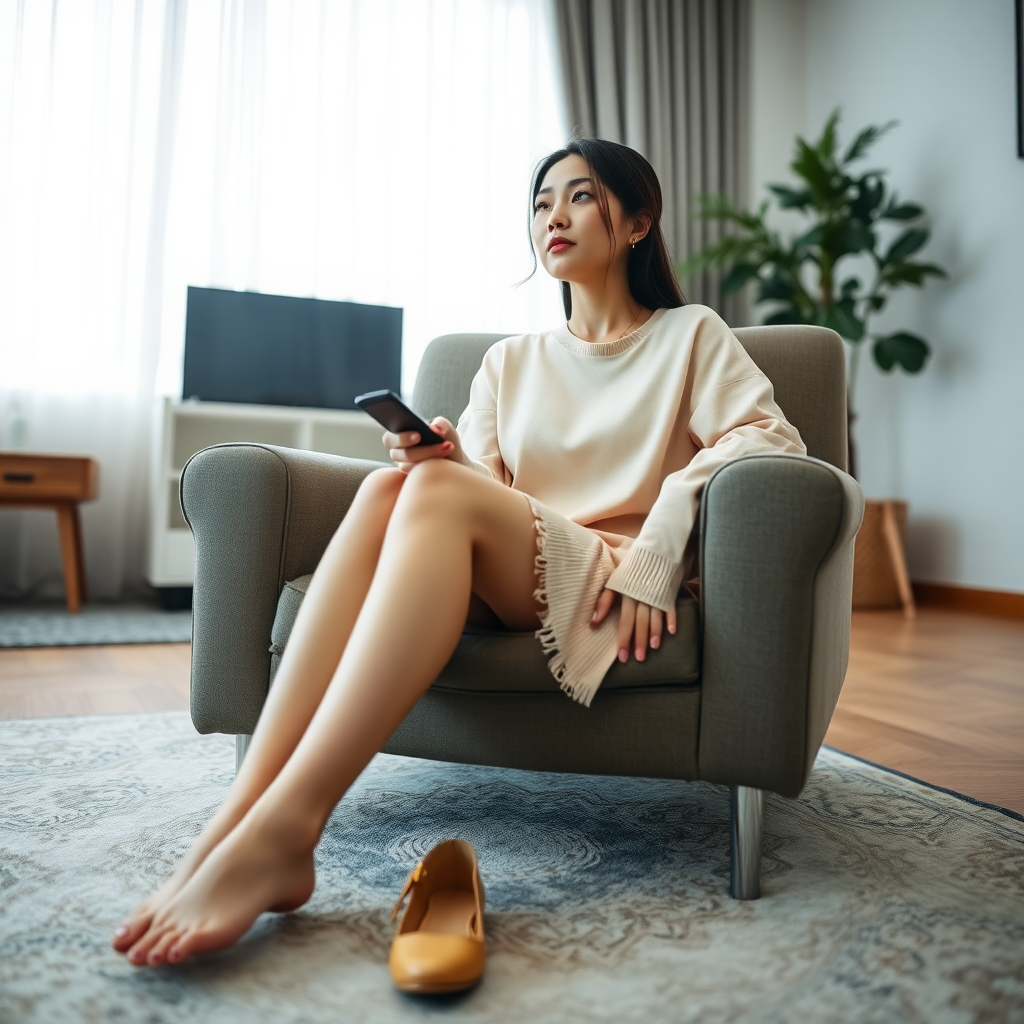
406, 451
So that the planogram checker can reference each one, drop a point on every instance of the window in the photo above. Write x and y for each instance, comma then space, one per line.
372, 150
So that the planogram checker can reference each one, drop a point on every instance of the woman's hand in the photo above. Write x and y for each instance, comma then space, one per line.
639, 623
405, 449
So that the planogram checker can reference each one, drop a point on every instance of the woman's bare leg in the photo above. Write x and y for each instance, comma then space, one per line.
321, 631
452, 533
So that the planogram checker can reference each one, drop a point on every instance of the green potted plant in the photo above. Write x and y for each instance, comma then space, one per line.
840, 270
859, 245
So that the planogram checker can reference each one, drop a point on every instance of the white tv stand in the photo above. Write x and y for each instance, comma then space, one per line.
181, 429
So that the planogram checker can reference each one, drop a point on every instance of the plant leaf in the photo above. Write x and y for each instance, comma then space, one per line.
813, 236
713, 206
777, 286
907, 349
842, 319
903, 211
865, 140
731, 249
869, 193
849, 286
791, 198
906, 245
909, 272
808, 165
852, 236
826, 146
738, 276
718, 206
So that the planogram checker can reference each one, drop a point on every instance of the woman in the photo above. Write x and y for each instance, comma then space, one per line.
563, 504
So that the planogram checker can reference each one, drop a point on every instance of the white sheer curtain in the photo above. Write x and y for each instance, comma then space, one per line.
373, 150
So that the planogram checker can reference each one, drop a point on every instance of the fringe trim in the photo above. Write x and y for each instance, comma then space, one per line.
583, 683
546, 633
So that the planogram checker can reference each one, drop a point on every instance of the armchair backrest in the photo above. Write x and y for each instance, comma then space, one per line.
806, 365
448, 367
807, 368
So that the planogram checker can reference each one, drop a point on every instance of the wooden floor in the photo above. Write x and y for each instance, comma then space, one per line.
940, 697
46, 681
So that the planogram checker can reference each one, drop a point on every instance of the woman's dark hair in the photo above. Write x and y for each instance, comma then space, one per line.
631, 179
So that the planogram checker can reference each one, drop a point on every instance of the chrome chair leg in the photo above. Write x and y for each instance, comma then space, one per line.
242, 741
746, 813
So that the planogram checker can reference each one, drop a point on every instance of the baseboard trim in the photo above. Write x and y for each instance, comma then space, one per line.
1004, 603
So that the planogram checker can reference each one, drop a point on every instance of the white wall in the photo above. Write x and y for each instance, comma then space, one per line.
950, 441
778, 100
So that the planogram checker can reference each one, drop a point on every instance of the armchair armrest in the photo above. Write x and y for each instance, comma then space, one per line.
776, 551
261, 515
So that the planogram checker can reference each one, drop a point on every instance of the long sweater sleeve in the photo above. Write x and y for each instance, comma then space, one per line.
478, 424
731, 418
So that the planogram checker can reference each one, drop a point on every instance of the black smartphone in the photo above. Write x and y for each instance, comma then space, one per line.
394, 415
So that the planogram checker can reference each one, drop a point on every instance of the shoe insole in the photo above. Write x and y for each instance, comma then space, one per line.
449, 912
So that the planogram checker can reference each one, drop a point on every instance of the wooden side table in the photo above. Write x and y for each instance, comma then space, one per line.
880, 576
59, 482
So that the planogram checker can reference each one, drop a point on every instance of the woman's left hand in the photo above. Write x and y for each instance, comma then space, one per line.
639, 623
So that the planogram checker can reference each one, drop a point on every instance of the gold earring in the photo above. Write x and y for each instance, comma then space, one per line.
632, 243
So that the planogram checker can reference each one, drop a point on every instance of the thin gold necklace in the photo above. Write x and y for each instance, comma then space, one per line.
624, 333
631, 322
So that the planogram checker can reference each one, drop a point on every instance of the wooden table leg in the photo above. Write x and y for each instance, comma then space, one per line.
898, 558
83, 583
70, 530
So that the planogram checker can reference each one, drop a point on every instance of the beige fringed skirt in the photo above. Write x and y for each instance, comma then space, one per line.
573, 566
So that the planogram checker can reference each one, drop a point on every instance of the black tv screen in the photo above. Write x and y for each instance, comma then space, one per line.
277, 350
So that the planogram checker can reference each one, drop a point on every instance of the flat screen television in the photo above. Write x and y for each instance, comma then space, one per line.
278, 350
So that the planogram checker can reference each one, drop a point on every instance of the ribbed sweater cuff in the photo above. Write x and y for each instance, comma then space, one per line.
649, 577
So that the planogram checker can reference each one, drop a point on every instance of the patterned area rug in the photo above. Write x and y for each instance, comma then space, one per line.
54, 626
606, 898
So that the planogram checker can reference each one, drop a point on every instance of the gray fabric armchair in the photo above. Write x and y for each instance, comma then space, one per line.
743, 693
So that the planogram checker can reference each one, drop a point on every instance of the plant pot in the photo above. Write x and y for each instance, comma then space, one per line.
880, 578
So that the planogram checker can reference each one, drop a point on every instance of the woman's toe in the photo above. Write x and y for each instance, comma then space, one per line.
139, 953
130, 932
189, 942
158, 954
178, 950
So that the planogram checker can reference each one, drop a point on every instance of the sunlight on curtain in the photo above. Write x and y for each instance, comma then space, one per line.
365, 150
84, 150
371, 150
78, 126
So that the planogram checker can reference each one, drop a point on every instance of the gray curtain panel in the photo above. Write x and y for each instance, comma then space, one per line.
670, 79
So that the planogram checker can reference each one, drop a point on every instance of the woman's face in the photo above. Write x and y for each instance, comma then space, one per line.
568, 230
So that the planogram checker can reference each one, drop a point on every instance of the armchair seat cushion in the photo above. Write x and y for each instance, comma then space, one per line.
499, 661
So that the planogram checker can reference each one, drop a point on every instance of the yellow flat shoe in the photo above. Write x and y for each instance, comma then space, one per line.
439, 943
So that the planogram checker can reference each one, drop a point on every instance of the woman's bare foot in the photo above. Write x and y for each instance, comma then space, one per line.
264, 864
136, 925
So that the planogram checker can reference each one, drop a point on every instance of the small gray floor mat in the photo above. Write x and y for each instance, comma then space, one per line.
52, 625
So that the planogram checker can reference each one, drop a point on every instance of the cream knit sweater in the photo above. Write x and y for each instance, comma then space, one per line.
621, 436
